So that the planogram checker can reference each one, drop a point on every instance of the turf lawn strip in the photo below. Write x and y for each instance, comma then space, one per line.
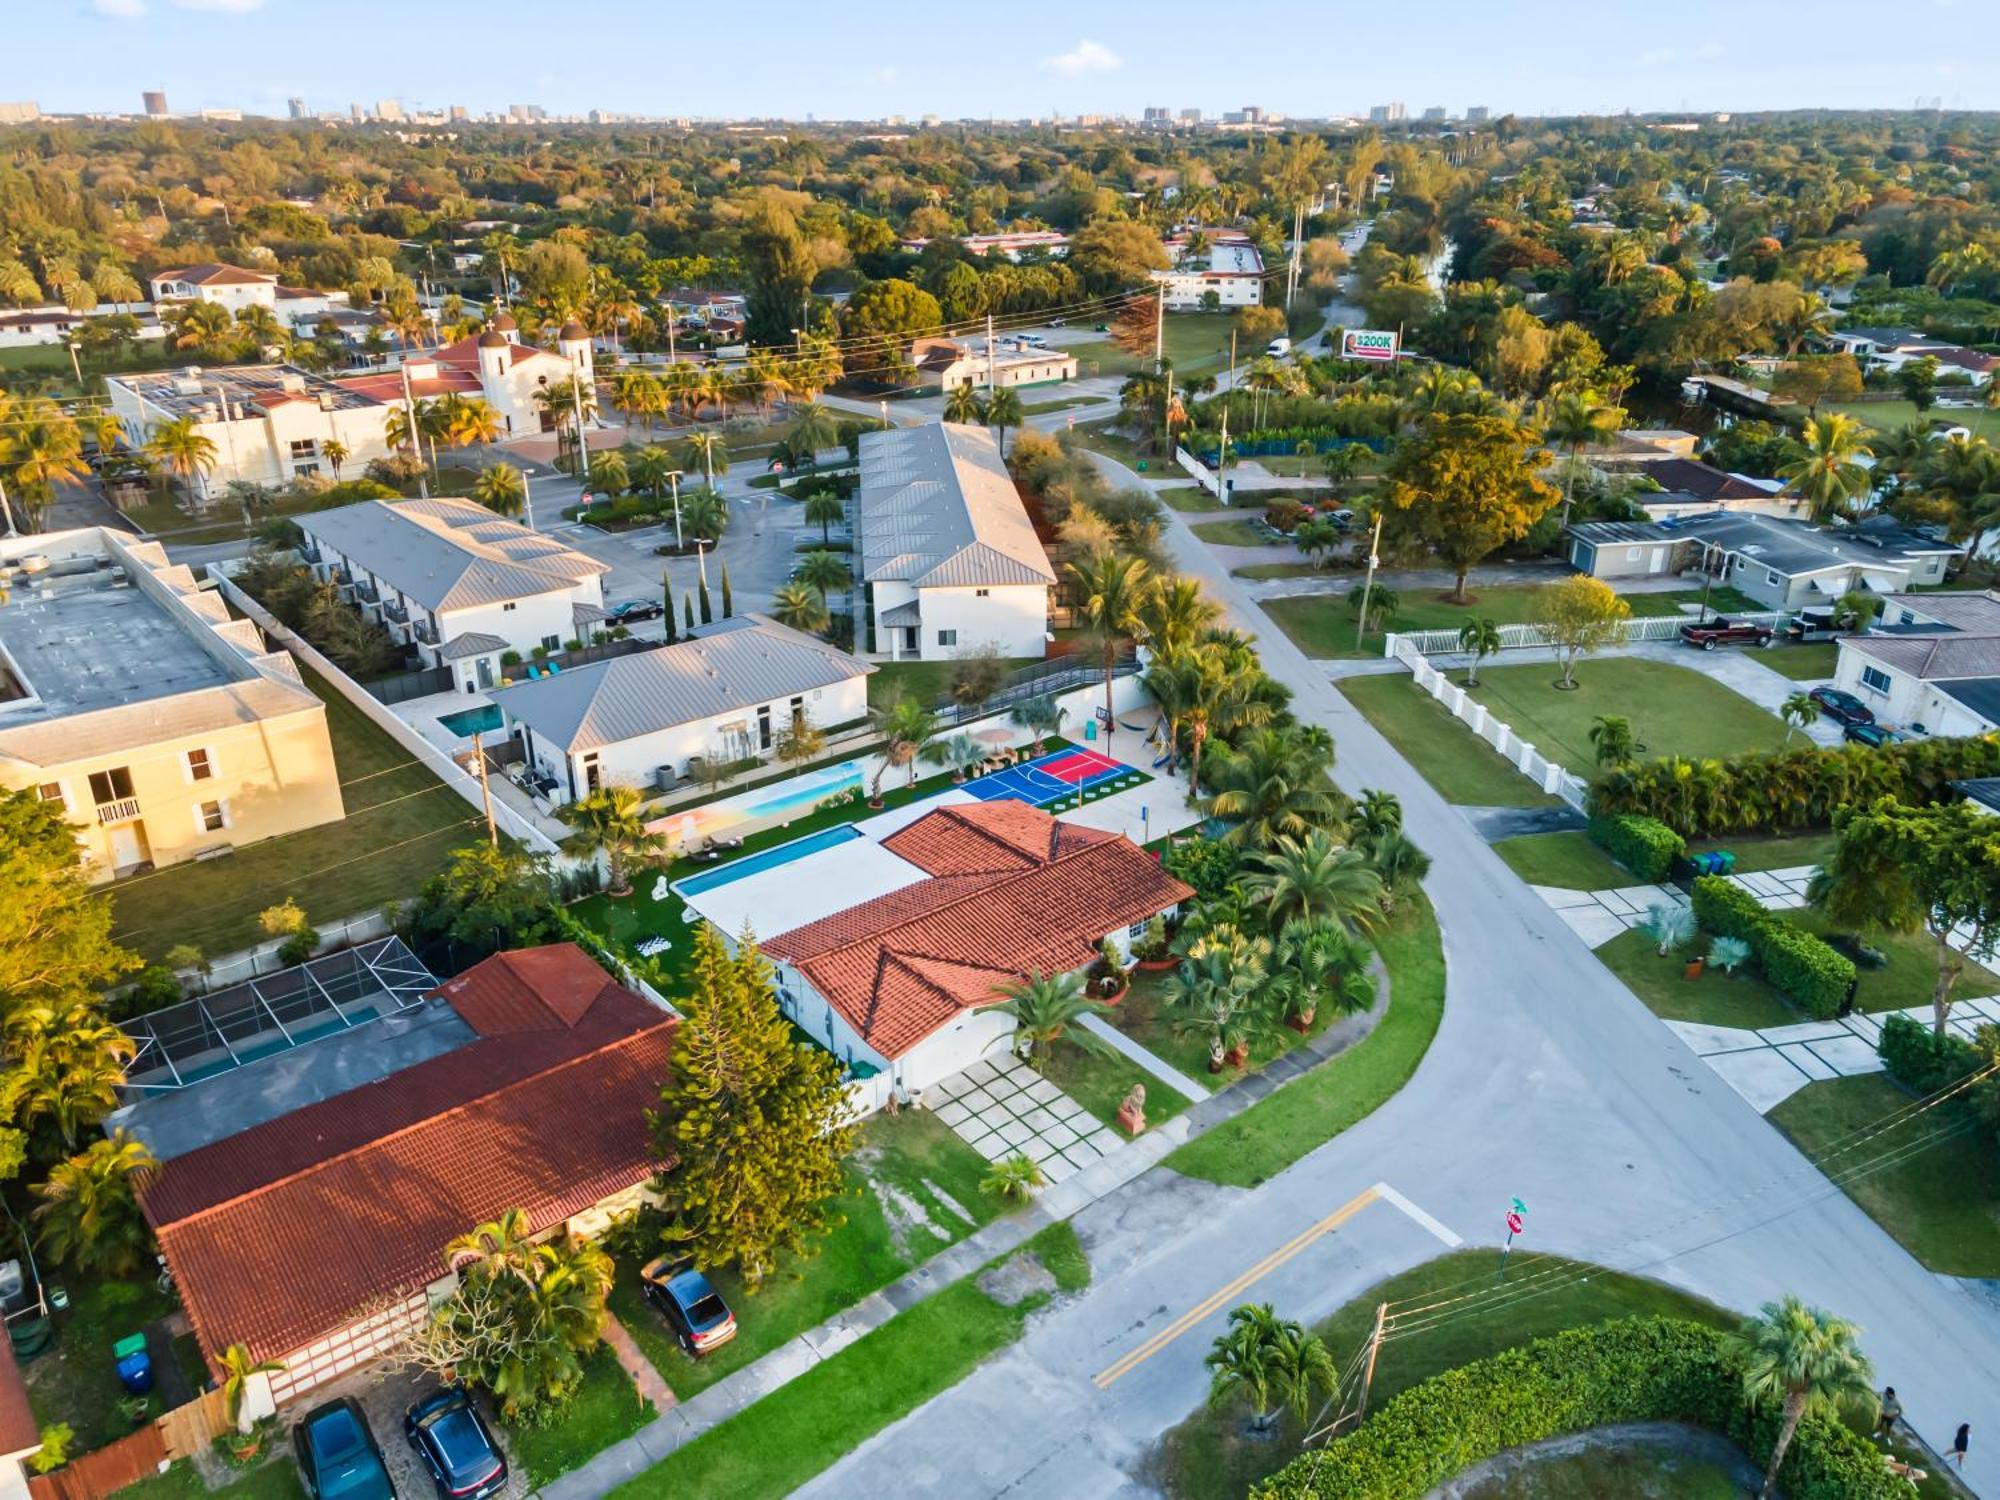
1568, 861
1463, 767
605, 1409
1209, 1455
774, 1446
1310, 1111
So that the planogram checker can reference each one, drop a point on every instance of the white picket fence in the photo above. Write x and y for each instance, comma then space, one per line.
1528, 637
1198, 471
1523, 756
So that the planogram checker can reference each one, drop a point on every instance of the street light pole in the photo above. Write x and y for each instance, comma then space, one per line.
1368, 588
7, 510
674, 479
527, 497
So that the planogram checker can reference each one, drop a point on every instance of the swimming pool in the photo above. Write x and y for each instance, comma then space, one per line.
768, 859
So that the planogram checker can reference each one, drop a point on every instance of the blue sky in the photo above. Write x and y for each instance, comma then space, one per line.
976, 58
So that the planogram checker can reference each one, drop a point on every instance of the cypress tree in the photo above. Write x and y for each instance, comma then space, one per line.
687, 612
667, 593
707, 612
727, 607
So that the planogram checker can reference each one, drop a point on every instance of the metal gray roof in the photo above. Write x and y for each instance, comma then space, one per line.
1953, 611
735, 664
1796, 547
936, 507
471, 643
1931, 657
449, 554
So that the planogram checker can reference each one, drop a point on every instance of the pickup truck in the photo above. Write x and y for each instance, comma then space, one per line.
1814, 625
1720, 632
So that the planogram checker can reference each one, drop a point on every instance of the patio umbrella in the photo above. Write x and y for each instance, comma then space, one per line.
995, 736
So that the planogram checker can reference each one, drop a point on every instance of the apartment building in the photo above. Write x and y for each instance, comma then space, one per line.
167, 730
1233, 270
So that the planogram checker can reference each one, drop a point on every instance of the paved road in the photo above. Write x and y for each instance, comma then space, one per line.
1548, 1080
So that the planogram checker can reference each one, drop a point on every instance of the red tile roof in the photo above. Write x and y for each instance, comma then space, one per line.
1012, 890
18, 1432
211, 274
387, 387
283, 1233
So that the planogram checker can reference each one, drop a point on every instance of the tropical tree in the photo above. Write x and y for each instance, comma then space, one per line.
1004, 411
612, 821
1381, 604
1314, 876
1798, 710
1612, 741
1041, 716
1215, 995
704, 515
1581, 615
650, 469
1316, 960
963, 406
812, 430
41, 447
801, 606
825, 510
1275, 784
825, 570
181, 448
239, 1367
1173, 614
1399, 862
1016, 1178
904, 726
1047, 1009
501, 489
1463, 486
961, 752
1479, 639
1669, 925
89, 1213
1573, 420
1828, 468
1317, 538
67, 1064
1375, 815
1805, 1361
1113, 590
1239, 1362
1190, 689
499, 1247
705, 451
335, 452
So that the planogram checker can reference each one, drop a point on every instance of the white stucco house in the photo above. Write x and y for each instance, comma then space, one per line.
945, 554
725, 695
1233, 270
462, 584
224, 286
1011, 363
1930, 664
494, 366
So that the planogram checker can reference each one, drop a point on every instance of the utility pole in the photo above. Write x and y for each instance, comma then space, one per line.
1368, 588
527, 498
416, 437
1368, 1370
674, 479
7, 510
1160, 329
989, 363
576, 397
485, 791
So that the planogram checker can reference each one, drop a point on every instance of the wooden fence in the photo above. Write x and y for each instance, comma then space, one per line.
188, 1430
137, 1456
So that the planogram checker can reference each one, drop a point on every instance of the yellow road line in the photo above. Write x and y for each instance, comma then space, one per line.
1130, 1362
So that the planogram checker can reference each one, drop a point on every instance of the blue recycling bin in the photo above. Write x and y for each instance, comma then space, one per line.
135, 1365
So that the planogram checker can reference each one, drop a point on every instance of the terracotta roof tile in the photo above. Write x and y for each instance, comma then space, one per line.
988, 835
18, 1432
528, 989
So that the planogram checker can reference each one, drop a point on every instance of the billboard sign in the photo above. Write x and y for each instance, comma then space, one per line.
1365, 343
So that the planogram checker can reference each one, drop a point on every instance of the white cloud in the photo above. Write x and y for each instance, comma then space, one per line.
122, 9
1085, 57
1659, 57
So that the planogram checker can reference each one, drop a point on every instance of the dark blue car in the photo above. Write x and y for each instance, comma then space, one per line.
338, 1456
446, 1429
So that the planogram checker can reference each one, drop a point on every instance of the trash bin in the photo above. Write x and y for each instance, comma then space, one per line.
135, 1365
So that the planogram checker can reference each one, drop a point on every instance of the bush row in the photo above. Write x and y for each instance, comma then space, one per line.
1921, 1060
1634, 1370
1645, 846
1798, 962
1789, 790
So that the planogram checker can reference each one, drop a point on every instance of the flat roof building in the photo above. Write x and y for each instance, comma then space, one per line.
1016, 361
1231, 269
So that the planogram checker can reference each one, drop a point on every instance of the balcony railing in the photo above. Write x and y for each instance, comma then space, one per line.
121, 811
400, 614
366, 594
426, 632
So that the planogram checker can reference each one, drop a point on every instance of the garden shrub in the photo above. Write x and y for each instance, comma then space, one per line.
1632, 1370
1645, 846
1206, 864
1725, 909
1921, 1060
1805, 967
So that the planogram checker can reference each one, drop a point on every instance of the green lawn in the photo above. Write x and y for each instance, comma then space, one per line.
1887, 416
1673, 710
1568, 860
277, 1478
605, 1409
1289, 570
1099, 1084
774, 1446
1941, 1204
1037, 408
402, 824
1309, 1111
925, 681
1715, 999
1911, 970
76, 1381
1237, 533
1191, 499
1208, 1457
1807, 663
1753, 854
919, 1164
1641, 1474
1193, 341
1463, 767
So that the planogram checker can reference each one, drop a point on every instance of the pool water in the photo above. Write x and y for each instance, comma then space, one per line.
768, 859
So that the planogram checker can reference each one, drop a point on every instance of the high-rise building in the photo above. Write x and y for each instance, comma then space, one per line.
156, 103
354, 113
1156, 116
458, 113
297, 108
1253, 114
1190, 117
388, 109
25, 112
1387, 114
1477, 115
1435, 115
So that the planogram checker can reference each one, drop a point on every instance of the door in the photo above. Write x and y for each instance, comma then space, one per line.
1658, 563
485, 669
128, 846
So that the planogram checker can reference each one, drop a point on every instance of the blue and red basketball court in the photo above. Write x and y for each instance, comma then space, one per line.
1066, 773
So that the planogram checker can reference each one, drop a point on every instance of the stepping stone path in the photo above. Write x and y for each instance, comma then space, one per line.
1003, 1107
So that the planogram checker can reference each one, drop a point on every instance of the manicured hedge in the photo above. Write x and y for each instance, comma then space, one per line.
1918, 1058
1788, 790
1645, 846
1798, 962
1634, 1370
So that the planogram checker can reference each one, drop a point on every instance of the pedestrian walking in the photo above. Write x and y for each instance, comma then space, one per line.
1885, 1416
1960, 1443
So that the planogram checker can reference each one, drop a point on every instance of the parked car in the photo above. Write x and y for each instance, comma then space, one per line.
1813, 625
452, 1439
338, 1455
1842, 708
1875, 736
634, 610
695, 1311
1717, 631
1278, 348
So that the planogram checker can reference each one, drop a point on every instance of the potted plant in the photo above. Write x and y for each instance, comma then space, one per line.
1155, 950
1107, 975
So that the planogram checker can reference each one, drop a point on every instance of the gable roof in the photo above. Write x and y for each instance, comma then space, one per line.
212, 274
936, 507
449, 554
731, 665
1685, 476
285, 1232
1932, 657
1013, 891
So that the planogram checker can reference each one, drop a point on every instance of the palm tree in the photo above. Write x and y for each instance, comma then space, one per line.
650, 469
89, 1213
1574, 420
613, 820
824, 570
239, 1366
963, 406
1317, 959
707, 452
1002, 412
181, 448
905, 726
1300, 1366
1480, 639
1806, 1361
1016, 1178
800, 606
1381, 603
335, 453
1215, 995
1827, 468
1239, 1362
1315, 877
1113, 590
1190, 689
1049, 1008
1399, 862
1174, 612
961, 752
812, 429
1041, 716
1375, 816
43, 447
825, 510
1797, 711
469, 420
1612, 741
501, 489
1275, 785
499, 1247
1343, 463
704, 514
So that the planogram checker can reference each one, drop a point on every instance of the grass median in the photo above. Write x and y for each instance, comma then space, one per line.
1310, 1111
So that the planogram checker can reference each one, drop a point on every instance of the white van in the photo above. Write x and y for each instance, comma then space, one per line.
1278, 348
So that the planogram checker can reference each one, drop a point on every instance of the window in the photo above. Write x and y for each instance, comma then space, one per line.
764, 727
507, 606
1875, 679
1136, 931
947, 637
303, 448
50, 791
1631, 554
552, 642
1770, 577
200, 767
210, 816
114, 785
981, 593
1908, 618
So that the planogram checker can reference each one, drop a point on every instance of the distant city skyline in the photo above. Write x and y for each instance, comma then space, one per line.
1038, 58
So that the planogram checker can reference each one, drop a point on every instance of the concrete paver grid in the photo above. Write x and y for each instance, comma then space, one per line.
1002, 1107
